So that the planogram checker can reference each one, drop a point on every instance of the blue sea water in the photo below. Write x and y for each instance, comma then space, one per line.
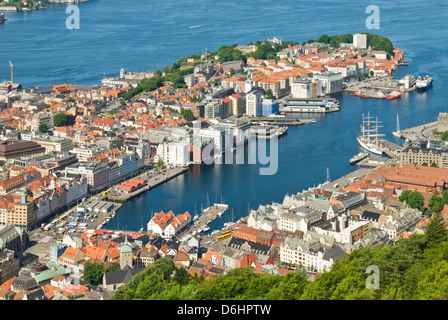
118, 34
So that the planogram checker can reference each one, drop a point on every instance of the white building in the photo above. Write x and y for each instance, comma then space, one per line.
82, 154
167, 224
360, 41
221, 136
253, 103
312, 256
178, 153
380, 54
331, 82
306, 88
77, 188
55, 144
40, 118
175, 153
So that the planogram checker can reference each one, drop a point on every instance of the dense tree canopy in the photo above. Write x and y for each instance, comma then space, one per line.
377, 42
60, 119
93, 272
43, 127
413, 198
413, 268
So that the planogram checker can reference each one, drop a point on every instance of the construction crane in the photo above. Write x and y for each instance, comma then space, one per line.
11, 66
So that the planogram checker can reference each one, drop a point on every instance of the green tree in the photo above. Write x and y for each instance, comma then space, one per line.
269, 94
445, 136
115, 266
435, 203
70, 99
323, 39
166, 69
93, 272
181, 276
60, 119
160, 163
436, 232
43, 127
188, 114
413, 198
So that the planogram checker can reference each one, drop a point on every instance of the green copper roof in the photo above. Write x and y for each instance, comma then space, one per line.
45, 275
125, 248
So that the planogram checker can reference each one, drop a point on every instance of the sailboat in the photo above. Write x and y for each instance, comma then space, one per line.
369, 138
195, 213
397, 133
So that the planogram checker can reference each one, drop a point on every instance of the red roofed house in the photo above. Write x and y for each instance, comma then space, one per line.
167, 224
71, 257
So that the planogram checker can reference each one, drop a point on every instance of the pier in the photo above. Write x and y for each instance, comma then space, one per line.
347, 179
208, 215
152, 182
374, 161
281, 121
389, 148
376, 88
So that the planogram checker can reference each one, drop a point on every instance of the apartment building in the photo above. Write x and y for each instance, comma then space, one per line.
22, 214
97, 174
254, 103
55, 144
360, 41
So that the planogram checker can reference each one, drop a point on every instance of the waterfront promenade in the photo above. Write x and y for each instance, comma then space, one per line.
424, 131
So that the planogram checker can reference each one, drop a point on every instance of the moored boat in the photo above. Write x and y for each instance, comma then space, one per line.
397, 133
423, 83
282, 130
369, 138
395, 94
360, 156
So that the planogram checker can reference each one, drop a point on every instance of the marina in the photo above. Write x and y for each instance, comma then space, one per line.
201, 223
